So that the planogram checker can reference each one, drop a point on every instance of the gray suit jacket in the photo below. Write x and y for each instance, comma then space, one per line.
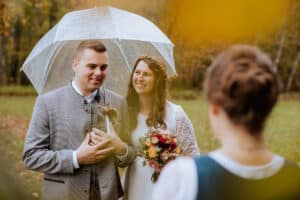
59, 123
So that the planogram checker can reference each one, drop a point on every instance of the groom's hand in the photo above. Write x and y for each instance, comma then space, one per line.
87, 154
98, 136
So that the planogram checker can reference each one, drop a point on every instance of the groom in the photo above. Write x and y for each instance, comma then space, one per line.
57, 142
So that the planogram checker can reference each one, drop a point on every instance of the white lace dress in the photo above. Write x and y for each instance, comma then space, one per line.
138, 184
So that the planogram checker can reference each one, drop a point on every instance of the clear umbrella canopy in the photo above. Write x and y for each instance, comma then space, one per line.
126, 36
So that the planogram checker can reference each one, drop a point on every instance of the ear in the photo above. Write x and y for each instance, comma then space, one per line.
75, 62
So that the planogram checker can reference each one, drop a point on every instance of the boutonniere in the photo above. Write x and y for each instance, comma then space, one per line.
111, 113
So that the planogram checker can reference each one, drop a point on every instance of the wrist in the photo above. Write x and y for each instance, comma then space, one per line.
79, 158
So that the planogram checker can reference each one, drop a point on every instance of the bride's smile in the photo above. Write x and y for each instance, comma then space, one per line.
143, 79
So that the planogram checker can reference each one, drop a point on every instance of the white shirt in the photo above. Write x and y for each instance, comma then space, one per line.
178, 180
89, 99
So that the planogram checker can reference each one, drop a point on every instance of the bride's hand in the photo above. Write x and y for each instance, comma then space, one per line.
114, 140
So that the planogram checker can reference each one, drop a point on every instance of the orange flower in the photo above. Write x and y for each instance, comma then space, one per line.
152, 152
178, 150
174, 140
147, 143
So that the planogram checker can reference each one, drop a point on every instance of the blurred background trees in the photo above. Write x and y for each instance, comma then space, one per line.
198, 28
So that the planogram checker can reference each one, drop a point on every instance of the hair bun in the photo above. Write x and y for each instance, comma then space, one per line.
248, 80
243, 82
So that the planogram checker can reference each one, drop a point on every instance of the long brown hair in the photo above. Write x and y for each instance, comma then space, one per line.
243, 82
157, 114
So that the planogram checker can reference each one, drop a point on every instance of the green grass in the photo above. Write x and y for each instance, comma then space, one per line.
197, 112
17, 90
283, 129
17, 105
24, 182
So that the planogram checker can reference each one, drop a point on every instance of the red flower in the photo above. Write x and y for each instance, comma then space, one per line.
161, 138
173, 145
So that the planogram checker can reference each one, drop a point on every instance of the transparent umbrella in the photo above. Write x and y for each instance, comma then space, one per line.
126, 36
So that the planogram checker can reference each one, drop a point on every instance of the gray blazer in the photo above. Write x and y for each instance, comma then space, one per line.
59, 123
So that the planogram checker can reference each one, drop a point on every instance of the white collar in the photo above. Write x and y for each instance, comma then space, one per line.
89, 98
246, 171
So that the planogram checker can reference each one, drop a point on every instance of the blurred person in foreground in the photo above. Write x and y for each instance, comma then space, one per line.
76, 163
241, 90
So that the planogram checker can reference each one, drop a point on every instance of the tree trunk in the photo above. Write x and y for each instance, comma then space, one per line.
279, 51
3, 76
37, 14
293, 72
3, 41
17, 48
53, 13
278, 57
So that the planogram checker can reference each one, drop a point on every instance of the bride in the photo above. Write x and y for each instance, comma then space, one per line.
148, 107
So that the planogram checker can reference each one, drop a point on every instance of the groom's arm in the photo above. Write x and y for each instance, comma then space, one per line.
37, 154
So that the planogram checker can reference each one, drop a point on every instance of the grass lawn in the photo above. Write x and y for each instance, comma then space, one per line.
282, 133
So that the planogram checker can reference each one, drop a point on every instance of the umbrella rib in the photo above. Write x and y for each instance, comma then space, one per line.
50, 64
122, 52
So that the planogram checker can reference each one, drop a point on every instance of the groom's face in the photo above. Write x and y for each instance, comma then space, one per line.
90, 69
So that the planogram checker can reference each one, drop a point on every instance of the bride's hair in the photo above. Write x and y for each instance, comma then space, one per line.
243, 82
157, 114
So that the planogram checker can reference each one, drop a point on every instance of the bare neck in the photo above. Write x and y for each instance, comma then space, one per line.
83, 91
145, 104
244, 148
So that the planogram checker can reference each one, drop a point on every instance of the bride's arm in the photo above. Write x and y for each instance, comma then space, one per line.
185, 133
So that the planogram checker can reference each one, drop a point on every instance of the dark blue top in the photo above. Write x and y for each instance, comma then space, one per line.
215, 182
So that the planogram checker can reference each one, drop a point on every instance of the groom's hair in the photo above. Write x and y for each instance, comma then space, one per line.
242, 81
95, 45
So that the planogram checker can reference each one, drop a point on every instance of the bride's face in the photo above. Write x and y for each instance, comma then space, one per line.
143, 79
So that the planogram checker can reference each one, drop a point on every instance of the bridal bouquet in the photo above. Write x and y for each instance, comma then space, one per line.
157, 148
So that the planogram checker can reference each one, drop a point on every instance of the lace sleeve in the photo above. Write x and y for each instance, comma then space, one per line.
185, 133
